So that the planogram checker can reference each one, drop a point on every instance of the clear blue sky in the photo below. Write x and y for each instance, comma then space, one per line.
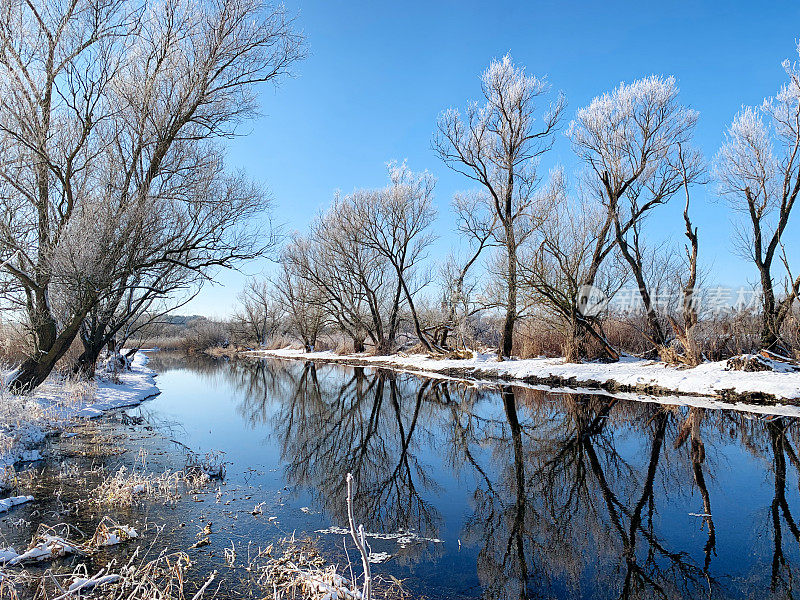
378, 75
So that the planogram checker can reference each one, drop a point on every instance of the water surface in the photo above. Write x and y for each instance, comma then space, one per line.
508, 492
474, 492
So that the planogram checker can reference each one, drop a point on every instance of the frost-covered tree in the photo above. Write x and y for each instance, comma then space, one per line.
107, 107
58, 61
629, 140
355, 283
758, 168
395, 223
498, 144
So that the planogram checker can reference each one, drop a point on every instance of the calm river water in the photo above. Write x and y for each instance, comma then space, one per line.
488, 492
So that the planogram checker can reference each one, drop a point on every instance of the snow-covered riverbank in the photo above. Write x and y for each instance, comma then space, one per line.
26, 420
711, 379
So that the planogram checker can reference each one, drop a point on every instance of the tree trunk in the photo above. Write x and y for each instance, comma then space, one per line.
770, 327
572, 349
93, 342
35, 369
657, 336
86, 365
507, 339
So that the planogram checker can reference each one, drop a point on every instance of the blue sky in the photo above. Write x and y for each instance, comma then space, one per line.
378, 75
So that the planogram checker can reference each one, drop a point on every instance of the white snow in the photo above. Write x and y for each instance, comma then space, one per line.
7, 503
404, 537
50, 546
80, 583
26, 419
6, 554
708, 379
117, 535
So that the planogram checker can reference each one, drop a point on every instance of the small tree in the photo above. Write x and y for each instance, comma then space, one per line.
259, 316
477, 225
686, 329
302, 304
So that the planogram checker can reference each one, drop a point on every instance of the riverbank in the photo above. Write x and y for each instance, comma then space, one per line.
630, 374
26, 420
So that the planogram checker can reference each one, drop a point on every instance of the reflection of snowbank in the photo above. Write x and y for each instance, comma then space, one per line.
632, 374
25, 420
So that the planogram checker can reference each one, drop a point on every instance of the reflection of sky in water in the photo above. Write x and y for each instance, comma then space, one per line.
580, 496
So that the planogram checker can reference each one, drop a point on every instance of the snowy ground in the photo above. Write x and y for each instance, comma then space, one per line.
26, 420
710, 379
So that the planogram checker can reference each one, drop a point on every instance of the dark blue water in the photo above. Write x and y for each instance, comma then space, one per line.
507, 492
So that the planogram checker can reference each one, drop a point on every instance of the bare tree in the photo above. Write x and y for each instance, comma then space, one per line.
572, 249
355, 282
758, 168
201, 223
259, 315
629, 140
395, 223
301, 302
686, 330
477, 225
104, 108
498, 144
57, 63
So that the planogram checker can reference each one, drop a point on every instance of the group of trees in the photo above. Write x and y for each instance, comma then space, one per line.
115, 202
548, 244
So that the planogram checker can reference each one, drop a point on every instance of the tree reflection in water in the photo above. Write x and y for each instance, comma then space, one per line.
572, 495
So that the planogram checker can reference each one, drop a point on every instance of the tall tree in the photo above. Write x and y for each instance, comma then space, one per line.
629, 140
758, 168
498, 144
106, 109
58, 63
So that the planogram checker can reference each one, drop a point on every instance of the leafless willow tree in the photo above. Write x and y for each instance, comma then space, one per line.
355, 284
57, 65
758, 169
498, 144
629, 139
259, 316
108, 109
361, 258
301, 302
555, 271
395, 223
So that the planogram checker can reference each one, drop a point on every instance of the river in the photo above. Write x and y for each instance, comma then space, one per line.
473, 491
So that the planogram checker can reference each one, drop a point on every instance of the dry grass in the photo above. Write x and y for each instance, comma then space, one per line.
15, 344
127, 487
295, 568
161, 578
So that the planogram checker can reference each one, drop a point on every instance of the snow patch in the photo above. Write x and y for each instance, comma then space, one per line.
25, 420
708, 379
8, 503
